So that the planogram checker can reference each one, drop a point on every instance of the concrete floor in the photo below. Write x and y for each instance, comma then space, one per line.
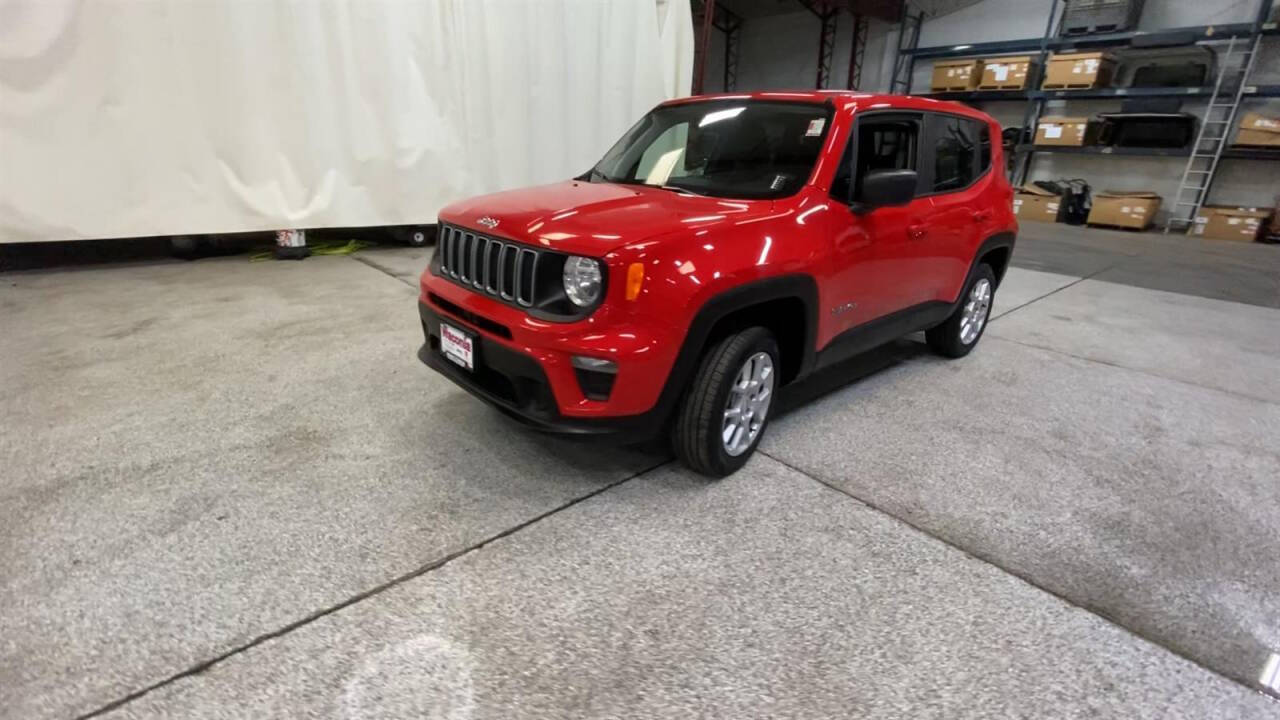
230, 490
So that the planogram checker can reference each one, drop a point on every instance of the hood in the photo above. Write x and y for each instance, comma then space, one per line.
593, 218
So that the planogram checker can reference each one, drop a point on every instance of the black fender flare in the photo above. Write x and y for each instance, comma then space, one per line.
795, 286
999, 240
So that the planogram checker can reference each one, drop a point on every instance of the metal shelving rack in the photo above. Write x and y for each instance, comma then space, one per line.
1184, 210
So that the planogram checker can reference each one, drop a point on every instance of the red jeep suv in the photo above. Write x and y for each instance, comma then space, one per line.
725, 246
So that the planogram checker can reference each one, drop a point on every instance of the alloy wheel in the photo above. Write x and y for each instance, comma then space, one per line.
975, 312
748, 404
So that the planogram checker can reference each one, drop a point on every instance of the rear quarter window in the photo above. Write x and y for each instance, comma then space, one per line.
961, 151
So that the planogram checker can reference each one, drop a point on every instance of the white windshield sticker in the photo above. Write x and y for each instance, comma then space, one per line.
815, 127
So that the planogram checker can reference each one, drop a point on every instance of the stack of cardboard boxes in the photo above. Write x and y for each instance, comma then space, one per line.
1227, 223
956, 75
1006, 73
1066, 71
1036, 204
1257, 130
1075, 71
1062, 131
1242, 224
1137, 211
1130, 210
1079, 71
1134, 210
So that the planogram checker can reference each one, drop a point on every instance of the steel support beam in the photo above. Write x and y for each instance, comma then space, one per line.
1031, 116
826, 12
708, 15
904, 63
702, 43
732, 36
857, 51
826, 48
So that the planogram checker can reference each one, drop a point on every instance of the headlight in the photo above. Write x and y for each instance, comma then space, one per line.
582, 280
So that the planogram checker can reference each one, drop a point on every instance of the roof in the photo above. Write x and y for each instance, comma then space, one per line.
843, 99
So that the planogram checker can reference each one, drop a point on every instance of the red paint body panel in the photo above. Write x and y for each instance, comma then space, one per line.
695, 248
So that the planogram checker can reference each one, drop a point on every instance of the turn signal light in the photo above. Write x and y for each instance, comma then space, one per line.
635, 278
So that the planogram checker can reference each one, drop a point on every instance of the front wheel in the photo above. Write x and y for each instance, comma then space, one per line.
958, 334
723, 415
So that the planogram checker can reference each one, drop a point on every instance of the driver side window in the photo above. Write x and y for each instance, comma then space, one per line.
883, 142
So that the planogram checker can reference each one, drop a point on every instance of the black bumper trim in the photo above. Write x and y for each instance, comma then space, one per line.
532, 403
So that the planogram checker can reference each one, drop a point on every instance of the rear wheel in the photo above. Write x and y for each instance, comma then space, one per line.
958, 334
725, 411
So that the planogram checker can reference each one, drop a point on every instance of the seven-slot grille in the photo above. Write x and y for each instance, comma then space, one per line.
488, 264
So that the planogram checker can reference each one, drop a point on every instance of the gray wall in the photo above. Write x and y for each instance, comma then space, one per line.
780, 52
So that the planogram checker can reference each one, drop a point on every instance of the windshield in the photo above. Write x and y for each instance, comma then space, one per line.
725, 148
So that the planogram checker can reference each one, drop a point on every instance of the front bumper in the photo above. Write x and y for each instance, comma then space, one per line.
516, 383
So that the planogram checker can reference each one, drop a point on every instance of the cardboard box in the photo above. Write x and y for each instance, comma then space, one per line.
1079, 71
1037, 204
1256, 129
956, 75
1134, 210
1068, 131
1227, 223
1006, 73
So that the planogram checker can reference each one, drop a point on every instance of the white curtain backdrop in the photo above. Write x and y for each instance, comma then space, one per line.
126, 118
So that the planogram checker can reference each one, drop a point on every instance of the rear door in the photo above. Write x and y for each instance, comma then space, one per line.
876, 252
957, 168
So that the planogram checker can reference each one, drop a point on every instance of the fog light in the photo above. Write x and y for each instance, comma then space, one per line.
595, 376
582, 362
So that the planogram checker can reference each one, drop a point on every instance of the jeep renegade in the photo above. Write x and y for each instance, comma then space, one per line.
724, 247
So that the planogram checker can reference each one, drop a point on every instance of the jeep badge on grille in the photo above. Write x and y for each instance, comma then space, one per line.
488, 222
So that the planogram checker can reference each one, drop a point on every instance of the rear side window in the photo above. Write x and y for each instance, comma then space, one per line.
955, 153
961, 151
984, 145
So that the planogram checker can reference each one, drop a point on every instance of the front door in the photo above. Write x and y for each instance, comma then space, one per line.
877, 253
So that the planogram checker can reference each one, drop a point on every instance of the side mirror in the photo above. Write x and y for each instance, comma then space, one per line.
885, 188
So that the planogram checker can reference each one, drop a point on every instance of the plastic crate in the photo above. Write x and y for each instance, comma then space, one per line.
1148, 130
1084, 17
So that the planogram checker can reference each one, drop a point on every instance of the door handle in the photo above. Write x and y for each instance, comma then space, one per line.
981, 215
915, 232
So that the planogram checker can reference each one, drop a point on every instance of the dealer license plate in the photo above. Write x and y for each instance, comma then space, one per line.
457, 345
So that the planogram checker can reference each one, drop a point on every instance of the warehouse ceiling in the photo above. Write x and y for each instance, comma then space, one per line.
765, 8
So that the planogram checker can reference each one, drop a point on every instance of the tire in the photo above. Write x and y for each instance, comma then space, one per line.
697, 433
954, 338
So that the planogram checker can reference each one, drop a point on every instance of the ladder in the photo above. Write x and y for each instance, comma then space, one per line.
1211, 140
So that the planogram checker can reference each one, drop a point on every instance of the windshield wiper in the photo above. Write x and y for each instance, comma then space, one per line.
595, 175
680, 189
